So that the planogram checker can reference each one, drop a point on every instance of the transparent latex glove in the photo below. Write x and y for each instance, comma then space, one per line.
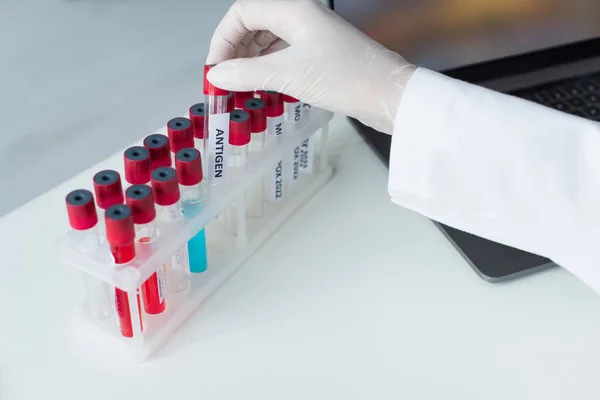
303, 49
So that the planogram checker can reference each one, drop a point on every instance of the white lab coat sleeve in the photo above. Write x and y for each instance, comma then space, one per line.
501, 168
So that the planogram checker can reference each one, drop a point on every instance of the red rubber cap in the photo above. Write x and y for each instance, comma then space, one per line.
230, 102
197, 117
108, 189
181, 133
141, 201
239, 128
119, 225
159, 149
165, 186
258, 114
209, 88
274, 103
188, 164
81, 209
290, 99
137, 165
241, 97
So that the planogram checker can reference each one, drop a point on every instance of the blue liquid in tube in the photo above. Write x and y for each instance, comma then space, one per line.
196, 245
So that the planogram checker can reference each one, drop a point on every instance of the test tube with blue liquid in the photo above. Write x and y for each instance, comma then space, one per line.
188, 163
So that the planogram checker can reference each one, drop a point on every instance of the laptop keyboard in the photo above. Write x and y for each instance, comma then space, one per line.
579, 96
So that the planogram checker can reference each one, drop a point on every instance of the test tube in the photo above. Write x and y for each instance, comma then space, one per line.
188, 163
274, 104
166, 197
255, 206
137, 165
230, 102
120, 234
140, 200
239, 138
83, 219
196, 114
293, 116
216, 129
108, 191
159, 149
240, 99
181, 134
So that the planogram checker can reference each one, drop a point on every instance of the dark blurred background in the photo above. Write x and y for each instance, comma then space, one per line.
444, 34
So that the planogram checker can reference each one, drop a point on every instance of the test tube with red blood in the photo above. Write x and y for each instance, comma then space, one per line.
256, 108
137, 165
159, 149
83, 219
181, 134
108, 191
141, 201
274, 103
120, 234
240, 99
165, 187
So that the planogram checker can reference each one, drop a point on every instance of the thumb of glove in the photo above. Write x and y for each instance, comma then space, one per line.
248, 74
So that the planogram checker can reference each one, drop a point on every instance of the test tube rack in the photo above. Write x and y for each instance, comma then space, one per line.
158, 329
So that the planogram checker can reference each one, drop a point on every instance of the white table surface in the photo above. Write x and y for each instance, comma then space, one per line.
366, 301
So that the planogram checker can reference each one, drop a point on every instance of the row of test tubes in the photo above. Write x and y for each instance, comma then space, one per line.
167, 180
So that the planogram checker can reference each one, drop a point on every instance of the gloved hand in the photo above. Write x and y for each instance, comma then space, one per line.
303, 49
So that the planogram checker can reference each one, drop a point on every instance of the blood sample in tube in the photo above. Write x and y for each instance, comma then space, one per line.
159, 149
120, 234
137, 165
141, 201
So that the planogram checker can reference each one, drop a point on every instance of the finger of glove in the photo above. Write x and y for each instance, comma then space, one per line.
261, 41
249, 74
282, 18
246, 46
274, 47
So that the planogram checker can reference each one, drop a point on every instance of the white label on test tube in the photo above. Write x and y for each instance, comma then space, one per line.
160, 277
307, 155
293, 112
218, 142
274, 129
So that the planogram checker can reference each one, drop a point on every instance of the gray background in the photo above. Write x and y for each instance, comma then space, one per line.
81, 79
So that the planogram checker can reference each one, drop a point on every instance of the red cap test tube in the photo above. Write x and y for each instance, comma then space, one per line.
165, 187
120, 234
159, 149
188, 163
293, 116
241, 97
137, 165
256, 108
216, 129
83, 219
181, 134
196, 113
140, 200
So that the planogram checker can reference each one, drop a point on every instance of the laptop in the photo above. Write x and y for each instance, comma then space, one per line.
546, 51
